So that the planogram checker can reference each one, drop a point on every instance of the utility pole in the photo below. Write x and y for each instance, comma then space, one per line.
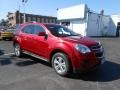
24, 16
19, 15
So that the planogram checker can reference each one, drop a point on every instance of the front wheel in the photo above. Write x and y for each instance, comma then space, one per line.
60, 63
17, 50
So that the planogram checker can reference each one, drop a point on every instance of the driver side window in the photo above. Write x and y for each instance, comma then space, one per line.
62, 31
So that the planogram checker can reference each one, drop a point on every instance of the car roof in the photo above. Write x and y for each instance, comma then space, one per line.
33, 22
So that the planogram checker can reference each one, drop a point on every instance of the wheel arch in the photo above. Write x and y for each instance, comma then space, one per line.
60, 51
15, 43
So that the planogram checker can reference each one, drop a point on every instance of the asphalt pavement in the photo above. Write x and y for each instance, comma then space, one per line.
29, 73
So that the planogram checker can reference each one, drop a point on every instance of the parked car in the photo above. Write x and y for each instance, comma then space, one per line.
7, 34
64, 49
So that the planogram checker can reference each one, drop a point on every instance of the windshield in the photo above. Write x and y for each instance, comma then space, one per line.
60, 31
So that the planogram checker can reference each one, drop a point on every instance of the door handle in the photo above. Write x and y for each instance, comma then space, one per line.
25, 39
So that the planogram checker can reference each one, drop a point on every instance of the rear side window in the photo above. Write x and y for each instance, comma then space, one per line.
28, 29
17, 30
37, 29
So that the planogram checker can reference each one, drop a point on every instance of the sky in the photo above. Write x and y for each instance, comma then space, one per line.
48, 7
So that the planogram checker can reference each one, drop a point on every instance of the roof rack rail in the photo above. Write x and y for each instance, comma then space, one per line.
31, 22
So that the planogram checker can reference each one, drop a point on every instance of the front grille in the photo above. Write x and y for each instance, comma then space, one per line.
98, 50
99, 54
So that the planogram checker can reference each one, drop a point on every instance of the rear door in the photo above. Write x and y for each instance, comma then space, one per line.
27, 38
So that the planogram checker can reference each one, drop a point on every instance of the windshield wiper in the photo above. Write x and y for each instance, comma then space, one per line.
74, 35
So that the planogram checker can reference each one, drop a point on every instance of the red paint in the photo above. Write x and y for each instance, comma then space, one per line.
45, 45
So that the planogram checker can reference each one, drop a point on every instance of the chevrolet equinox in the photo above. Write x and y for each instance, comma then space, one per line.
64, 49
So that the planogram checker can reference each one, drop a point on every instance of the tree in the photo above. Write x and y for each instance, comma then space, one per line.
3, 22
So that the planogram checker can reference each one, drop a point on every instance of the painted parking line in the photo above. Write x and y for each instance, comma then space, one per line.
9, 54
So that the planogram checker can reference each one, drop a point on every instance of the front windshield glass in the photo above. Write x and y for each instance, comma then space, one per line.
60, 31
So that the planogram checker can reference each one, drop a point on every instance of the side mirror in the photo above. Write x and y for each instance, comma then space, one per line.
41, 34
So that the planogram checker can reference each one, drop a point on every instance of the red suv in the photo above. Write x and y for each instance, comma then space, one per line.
64, 49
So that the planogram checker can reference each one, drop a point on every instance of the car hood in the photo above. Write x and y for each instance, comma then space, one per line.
80, 40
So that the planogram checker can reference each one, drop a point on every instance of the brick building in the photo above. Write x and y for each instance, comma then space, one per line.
18, 18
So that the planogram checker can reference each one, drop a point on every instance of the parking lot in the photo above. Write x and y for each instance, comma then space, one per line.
28, 73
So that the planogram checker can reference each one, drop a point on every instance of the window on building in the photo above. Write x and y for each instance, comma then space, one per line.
34, 19
65, 23
43, 20
29, 19
50, 20
38, 19
46, 20
54, 20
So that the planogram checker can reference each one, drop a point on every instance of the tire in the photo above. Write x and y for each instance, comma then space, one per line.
60, 63
17, 50
10, 39
3, 39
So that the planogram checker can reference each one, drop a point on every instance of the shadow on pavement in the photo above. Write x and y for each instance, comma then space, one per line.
31, 61
25, 63
1, 52
109, 71
5, 61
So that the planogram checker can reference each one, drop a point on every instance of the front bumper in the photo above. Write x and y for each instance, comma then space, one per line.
87, 66
88, 61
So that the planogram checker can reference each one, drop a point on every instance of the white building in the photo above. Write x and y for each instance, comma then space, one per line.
115, 23
82, 20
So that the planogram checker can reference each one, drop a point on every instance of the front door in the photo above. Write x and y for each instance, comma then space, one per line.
41, 45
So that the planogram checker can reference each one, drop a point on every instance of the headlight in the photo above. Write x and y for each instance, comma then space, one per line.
82, 48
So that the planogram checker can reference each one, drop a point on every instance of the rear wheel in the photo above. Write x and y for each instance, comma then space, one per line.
17, 50
61, 64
